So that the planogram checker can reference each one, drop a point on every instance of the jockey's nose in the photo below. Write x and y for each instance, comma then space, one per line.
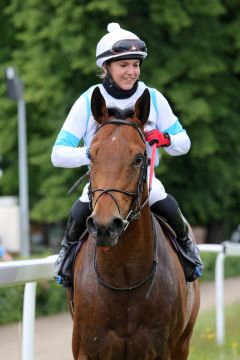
105, 234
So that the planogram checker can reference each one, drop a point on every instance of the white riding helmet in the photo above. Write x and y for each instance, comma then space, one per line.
119, 43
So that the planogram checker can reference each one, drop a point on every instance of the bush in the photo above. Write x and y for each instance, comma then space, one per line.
50, 299
11, 304
231, 268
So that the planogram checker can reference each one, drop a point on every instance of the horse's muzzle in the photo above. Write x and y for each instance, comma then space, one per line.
105, 234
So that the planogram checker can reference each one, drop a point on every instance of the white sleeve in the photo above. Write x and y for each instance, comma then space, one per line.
69, 157
165, 116
168, 122
76, 121
65, 152
180, 144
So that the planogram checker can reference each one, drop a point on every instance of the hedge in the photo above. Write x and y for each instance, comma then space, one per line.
231, 266
50, 299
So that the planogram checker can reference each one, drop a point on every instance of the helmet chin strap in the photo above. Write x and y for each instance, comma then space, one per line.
110, 79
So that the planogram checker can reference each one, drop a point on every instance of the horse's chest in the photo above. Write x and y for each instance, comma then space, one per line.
130, 329
145, 343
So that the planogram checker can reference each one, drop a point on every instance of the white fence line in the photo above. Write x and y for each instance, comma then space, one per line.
227, 248
25, 271
29, 272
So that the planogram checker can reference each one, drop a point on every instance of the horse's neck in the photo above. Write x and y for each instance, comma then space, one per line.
139, 239
133, 257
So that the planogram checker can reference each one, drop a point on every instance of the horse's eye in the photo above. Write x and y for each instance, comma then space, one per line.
88, 153
138, 160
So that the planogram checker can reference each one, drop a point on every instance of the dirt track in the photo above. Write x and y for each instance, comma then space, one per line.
53, 334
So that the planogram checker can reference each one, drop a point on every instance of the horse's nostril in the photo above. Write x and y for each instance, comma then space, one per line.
91, 227
110, 230
117, 225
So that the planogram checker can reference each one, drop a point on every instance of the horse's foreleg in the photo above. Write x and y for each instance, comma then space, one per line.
82, 355
181, 351
78, 352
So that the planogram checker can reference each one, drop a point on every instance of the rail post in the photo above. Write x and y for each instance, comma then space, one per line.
219, 291
28, 327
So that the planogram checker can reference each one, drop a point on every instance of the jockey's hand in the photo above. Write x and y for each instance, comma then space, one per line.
157, 137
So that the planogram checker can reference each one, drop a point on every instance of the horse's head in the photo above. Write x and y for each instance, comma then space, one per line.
118, 169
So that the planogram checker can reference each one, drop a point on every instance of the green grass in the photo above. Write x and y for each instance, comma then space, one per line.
203, 344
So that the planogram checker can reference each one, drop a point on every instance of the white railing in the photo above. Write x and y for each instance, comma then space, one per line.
227, 248
29, 272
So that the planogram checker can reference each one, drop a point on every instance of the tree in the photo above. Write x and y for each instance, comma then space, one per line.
193, 59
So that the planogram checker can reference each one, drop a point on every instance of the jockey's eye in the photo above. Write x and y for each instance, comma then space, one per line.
138, 160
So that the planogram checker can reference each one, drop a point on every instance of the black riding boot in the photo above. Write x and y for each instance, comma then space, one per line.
75, 227
168, 208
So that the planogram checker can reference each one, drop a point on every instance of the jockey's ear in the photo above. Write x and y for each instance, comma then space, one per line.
142, 107
98, 106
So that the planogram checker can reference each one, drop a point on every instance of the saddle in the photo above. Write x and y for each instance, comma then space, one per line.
188, 266
66, 271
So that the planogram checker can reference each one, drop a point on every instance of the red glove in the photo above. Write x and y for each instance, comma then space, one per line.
157, 137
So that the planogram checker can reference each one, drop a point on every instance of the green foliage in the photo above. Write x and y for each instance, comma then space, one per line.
231, 266
11, 304
50, 299
193, 59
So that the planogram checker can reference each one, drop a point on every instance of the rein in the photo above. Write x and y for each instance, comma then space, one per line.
140, 283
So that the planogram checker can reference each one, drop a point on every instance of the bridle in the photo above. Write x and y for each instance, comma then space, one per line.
136, 206
133, 213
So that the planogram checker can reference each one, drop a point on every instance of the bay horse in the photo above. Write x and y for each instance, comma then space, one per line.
131, 299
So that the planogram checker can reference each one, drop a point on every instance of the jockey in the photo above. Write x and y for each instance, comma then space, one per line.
120, 54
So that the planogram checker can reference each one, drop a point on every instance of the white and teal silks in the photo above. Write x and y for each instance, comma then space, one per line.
80, 125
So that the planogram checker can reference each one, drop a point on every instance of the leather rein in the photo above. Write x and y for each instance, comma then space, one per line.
134, 211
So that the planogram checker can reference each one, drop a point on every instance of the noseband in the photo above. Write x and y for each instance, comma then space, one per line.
136, 205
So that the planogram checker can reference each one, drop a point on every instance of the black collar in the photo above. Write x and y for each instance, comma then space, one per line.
115, 91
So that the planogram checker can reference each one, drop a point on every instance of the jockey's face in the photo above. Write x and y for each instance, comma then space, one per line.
125, 72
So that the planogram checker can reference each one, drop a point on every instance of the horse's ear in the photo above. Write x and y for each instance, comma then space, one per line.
98, 106
142, 107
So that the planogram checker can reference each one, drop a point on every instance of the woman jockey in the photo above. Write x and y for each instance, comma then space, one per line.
120, 54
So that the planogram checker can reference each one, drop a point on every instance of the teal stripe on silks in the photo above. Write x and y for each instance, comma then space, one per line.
67, 139
154, 99
174, 128
88, 106
86, 97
